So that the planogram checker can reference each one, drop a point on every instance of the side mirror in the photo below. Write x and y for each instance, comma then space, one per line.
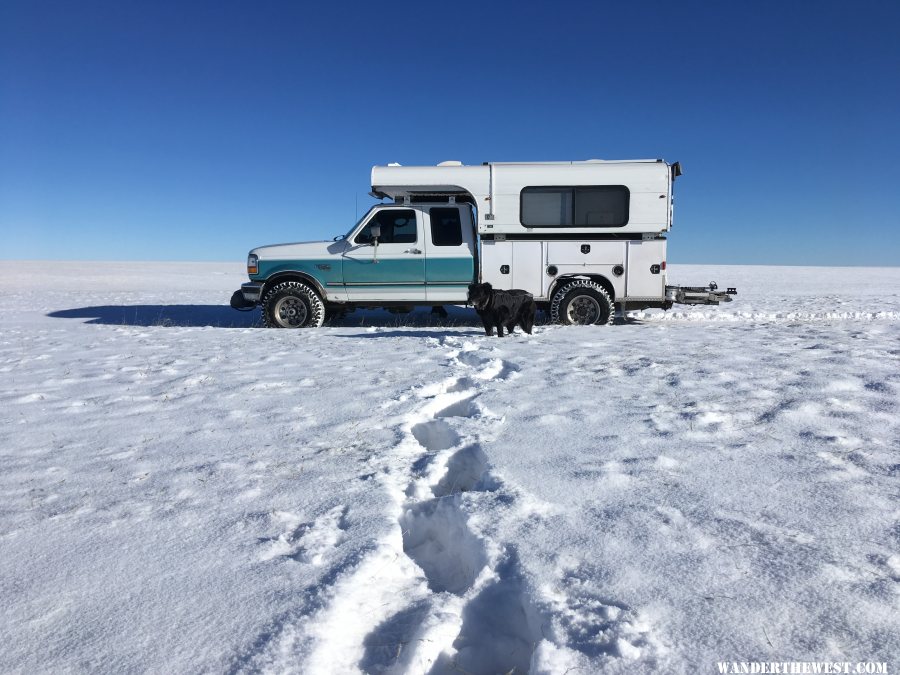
375, 230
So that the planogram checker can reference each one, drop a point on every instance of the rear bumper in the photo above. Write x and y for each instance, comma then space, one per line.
248, 295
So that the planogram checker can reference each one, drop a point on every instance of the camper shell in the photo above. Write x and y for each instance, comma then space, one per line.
584, 238
542, 223
631, 197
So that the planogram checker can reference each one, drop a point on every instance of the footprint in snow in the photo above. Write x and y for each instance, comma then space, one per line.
596, 625
304, 541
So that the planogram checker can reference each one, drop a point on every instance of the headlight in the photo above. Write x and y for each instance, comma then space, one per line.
252, 264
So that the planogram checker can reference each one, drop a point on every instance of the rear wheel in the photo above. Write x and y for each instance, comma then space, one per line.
583, 302
291, 304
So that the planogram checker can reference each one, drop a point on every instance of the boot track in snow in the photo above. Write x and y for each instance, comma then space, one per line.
438, 595
435, 597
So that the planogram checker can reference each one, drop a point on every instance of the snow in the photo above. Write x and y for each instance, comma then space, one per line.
183, 491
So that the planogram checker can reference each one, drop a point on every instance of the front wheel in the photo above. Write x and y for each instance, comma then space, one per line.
583, 302
293, 305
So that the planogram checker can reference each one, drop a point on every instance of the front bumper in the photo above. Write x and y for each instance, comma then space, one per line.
248, 295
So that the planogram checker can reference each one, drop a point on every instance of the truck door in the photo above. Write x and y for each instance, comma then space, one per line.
395, 270
450, 253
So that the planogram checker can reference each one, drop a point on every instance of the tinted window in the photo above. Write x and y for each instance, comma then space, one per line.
603, 206
546, 206
593, 206
446, 228
398, 226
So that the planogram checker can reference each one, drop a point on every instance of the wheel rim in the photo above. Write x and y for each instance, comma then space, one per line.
290, 312
583, 309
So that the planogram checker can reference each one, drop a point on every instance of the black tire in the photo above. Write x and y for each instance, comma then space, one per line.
583, 302
291, 304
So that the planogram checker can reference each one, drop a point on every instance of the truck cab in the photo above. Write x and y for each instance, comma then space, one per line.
398, 254
425, 254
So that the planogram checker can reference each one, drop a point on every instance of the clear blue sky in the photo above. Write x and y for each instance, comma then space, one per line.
178, 130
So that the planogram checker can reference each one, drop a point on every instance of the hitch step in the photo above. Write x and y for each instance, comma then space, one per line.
699, 295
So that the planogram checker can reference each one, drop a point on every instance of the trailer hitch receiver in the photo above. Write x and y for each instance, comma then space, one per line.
699, 295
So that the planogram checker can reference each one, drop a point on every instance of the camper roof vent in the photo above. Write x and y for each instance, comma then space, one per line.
451, 162
394, 164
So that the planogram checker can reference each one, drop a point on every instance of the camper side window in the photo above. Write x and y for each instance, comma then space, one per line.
398, 226
588, 206
446, 229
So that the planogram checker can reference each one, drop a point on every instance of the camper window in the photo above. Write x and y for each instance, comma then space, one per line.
446, 229
588, 206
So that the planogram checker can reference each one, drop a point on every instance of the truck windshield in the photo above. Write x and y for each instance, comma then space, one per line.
353, 229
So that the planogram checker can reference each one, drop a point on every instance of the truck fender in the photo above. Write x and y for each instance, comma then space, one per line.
561, 281
292, 275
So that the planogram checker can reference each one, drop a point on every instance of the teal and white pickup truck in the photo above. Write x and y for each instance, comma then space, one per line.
584, 238
396, 256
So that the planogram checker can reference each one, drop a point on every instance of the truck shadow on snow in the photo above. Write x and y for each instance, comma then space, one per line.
435, 332
222, 316
164, 316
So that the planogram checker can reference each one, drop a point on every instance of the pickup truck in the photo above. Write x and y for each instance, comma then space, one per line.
585, 238
396, 256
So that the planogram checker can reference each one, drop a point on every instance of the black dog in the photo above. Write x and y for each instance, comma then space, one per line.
502, 308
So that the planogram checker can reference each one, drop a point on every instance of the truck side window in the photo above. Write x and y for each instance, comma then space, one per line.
588, 206
398, 226
446, 228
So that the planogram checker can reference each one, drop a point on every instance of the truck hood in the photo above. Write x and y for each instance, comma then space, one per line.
299, 251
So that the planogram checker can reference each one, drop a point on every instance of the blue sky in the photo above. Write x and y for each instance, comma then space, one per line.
197, 130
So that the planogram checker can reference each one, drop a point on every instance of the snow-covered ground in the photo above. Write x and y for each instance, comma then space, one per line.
184, 492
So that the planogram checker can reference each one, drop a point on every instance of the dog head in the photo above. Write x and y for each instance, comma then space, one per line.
480, 295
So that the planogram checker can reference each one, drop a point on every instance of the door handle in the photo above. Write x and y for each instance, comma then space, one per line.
412, 250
